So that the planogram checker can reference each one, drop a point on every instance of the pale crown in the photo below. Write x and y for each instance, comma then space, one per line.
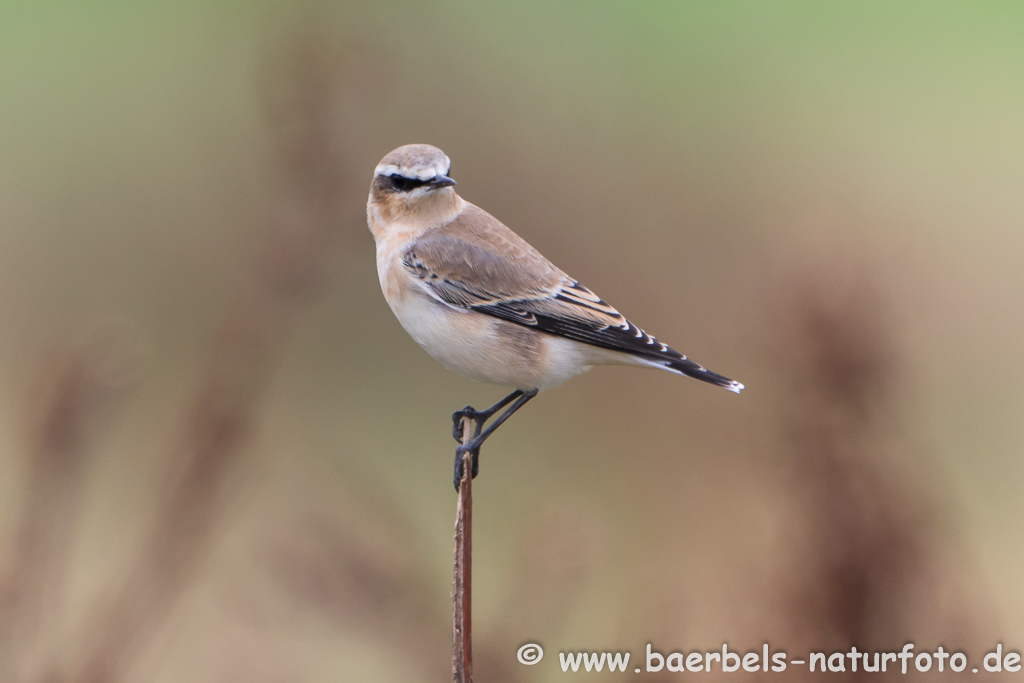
418, 162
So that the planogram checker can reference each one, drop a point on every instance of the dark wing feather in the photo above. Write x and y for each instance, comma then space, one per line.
624, 337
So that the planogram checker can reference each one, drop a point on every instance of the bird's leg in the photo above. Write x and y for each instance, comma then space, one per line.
479, 416
517, 398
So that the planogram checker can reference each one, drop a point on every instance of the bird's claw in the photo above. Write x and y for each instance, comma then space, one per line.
460, 458
467, 413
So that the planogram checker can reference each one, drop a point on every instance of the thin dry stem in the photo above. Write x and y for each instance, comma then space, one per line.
462, 590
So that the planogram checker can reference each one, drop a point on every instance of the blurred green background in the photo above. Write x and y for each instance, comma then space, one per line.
722, 172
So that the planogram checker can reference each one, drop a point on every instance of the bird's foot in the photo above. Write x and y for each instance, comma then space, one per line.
517, 398
460, 459
467, 413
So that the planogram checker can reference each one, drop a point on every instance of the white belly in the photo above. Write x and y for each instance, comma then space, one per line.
488, 349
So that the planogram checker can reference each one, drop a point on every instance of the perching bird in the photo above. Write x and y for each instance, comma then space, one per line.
485, 303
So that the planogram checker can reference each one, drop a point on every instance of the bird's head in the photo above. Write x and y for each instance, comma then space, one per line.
411, 185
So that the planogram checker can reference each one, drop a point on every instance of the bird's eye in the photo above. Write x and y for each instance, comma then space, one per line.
404, 184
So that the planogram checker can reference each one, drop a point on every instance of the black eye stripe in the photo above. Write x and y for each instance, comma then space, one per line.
402, 183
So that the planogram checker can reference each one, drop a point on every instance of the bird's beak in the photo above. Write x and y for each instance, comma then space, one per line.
441, 181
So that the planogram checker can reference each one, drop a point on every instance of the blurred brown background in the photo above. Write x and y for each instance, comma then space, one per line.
222, 459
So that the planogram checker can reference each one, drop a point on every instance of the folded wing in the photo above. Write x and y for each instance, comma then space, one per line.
524, 288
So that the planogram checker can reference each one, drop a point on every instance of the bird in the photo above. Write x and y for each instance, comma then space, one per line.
487, 305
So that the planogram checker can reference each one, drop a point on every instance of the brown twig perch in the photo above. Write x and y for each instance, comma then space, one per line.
462, 585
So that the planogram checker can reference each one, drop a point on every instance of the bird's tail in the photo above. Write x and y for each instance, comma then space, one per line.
685, 366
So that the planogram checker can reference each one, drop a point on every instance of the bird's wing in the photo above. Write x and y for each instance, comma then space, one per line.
481, 265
